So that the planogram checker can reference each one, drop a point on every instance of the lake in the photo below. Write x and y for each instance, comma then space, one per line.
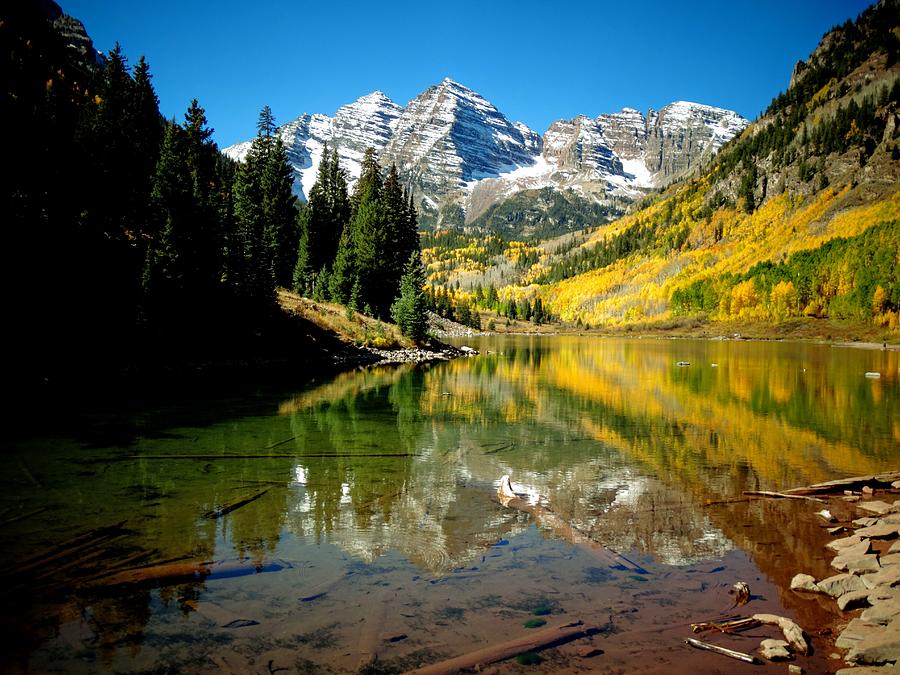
352, 524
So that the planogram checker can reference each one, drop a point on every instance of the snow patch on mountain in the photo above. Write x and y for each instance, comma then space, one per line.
450, 143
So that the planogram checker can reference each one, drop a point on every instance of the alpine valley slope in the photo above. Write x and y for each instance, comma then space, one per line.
460, 155
798, 216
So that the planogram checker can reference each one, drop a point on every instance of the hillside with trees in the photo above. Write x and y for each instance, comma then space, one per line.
749, 237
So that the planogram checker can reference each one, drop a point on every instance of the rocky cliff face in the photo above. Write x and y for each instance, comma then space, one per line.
453, 147
683, 134
449, 135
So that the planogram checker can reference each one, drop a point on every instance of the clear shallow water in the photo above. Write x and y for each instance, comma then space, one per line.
367, 503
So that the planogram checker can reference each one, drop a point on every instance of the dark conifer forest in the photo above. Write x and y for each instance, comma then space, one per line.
132, 242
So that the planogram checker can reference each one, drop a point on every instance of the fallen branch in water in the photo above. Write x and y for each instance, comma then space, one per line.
780, 495
740, 656
233, 506
532, 642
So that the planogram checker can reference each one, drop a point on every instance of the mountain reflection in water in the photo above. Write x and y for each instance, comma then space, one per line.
613, 446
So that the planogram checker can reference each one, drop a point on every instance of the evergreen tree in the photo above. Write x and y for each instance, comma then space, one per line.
324, 218
250, 272
280, 213
409, 309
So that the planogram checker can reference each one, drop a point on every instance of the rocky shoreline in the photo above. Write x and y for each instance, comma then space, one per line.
866, 587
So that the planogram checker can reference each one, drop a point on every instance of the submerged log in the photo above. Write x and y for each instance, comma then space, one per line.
532, 642
178, 572
781, 495
234, 505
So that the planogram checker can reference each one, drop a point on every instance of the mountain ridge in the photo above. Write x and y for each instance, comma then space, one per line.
449, 142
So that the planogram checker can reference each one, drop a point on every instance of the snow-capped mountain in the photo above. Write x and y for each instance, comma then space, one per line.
367, 122
453, 146
449, 136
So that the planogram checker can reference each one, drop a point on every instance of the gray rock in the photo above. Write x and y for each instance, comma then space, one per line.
853, 600
774, 650
876, 506
795, 670
887, 576
880, 648
884, 593
863, 564
880, 531
888, 560
856, 631
839, 584
805, 582
866, 521
893, 518
846, 542
850, 553
882, 611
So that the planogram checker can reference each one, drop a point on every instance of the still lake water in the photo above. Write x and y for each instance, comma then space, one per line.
353, 523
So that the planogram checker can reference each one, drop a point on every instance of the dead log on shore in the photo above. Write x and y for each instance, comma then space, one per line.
780, 495
532, 642
880, 480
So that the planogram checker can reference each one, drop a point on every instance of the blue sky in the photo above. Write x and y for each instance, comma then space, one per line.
536, 61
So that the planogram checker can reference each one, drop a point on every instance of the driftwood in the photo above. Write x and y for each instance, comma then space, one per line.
740, 656
741, 593
781, 495
882, 480
734, 626
531, 642
234, 505
792, 632
177, 572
